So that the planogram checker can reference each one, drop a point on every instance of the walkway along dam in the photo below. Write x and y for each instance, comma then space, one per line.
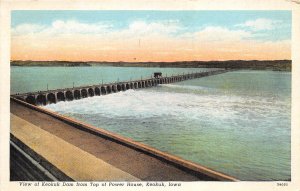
49, 146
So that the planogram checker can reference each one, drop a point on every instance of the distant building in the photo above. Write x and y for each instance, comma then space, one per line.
157, 74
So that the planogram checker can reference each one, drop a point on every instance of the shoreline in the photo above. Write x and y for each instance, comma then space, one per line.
275, 65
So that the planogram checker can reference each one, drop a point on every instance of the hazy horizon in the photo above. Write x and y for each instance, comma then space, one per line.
140, 61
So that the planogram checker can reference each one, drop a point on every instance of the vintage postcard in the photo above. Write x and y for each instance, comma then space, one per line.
190, 95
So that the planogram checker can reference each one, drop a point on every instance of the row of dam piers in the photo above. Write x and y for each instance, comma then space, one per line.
75, 93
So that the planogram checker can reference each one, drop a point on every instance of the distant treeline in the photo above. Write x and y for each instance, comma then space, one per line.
47, 63
280, 65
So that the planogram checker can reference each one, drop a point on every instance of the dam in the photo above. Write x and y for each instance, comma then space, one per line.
44, 136
75, 93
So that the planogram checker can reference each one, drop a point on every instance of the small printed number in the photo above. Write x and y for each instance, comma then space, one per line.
282, 184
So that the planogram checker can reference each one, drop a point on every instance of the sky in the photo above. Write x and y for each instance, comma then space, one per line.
142, 36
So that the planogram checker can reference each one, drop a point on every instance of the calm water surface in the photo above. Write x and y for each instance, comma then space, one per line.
237, 123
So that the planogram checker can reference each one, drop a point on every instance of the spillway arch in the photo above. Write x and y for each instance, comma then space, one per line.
91, 92
30, 99
84, 93
69, 95
97, 91
77, 94
51, 98
103, 90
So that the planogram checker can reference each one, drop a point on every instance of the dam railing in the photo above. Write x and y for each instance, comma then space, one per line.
75, 93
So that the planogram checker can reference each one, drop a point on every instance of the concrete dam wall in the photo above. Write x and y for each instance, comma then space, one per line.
75, 93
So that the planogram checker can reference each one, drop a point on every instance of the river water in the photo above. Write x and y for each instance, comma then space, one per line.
237, 122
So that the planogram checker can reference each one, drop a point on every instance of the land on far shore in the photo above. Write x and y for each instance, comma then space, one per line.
277, 65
